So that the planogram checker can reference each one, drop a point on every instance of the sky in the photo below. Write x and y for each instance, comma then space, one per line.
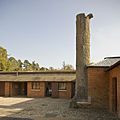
45, 30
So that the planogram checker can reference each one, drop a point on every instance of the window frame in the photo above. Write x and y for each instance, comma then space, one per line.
35, 85
62, 88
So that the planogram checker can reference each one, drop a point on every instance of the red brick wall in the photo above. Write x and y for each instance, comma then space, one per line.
8, 89
11, 89
72, 89
62, 93
2, 88
66, 93
36, 93
114, 73
118, 93
98, 86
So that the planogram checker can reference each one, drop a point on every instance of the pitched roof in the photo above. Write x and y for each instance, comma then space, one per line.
107, 62
113, 66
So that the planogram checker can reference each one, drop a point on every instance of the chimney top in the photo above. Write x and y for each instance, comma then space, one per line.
90, 15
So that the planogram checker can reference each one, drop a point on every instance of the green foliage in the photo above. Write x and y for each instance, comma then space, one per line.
43, 69
35, 66
3, 59
67, 67
27, 65
11, 64
20, 65
51, 68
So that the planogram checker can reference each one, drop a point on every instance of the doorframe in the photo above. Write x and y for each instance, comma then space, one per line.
114, 95
48, 89
20, 87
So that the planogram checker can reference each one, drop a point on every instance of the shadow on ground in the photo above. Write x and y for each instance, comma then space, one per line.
48, 109
14, 118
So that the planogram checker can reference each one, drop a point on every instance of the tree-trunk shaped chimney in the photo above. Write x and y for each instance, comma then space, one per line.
82, 55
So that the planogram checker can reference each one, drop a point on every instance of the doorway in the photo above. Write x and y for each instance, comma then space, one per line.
2, 88
114, 94
48, 91
20, 89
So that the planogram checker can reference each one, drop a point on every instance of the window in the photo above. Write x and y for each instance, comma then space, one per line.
35, 85
62, 86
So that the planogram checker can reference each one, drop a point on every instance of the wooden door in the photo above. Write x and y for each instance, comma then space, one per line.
114, 94
55, 93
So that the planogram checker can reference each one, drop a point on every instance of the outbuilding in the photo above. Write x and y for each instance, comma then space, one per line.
56, 84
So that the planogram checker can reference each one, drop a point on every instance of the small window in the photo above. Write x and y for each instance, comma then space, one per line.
62, 86
35, 85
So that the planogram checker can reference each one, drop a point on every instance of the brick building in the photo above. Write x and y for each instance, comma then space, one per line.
103, 84
100, 81
37, 84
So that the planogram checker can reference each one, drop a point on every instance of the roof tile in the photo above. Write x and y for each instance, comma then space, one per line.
107, 62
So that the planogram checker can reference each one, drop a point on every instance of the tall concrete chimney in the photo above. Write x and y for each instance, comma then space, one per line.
82, 55
82, 60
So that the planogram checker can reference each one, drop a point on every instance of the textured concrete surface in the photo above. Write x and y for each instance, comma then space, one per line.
82, 55
47, 109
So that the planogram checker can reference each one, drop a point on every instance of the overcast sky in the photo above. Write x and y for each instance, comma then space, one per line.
45, 30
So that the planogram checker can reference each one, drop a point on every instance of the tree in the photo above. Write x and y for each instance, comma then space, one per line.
1, 66
63, 65
35, 66
43, 69
51, 68
3, 59
67, 67
27, 65
20, 65
13, 64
